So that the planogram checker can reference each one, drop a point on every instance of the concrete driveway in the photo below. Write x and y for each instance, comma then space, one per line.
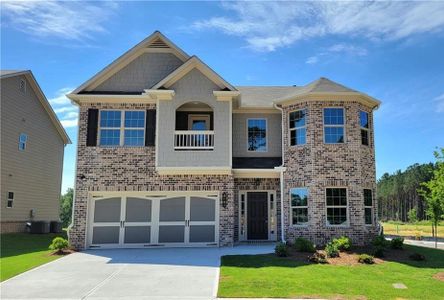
173, 273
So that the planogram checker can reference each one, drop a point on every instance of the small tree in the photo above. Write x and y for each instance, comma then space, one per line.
66, 207
412, 215
433, 192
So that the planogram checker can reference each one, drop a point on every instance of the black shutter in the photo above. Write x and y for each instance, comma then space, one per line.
150, 129
91, 134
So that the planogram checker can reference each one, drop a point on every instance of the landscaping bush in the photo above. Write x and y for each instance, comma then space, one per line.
366, 259
304, 245
380, 241
332, 250
59, 244
397, 243
281, 250
344, 243
378, 252
417, 257
318, 258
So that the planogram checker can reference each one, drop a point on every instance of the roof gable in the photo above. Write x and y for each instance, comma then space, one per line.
156, 42
41, 96
193, 63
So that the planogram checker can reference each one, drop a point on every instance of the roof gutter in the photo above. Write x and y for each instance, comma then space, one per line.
282, 168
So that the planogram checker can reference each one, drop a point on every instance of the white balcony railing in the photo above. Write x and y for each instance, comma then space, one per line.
194, 140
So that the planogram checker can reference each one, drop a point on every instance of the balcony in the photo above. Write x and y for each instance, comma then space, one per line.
194, 140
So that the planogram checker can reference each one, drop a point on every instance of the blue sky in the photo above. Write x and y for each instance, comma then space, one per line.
391, 51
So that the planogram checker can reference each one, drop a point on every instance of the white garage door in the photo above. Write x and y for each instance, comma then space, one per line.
144, 221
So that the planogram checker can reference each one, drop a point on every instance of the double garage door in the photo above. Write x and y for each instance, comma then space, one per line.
145, 221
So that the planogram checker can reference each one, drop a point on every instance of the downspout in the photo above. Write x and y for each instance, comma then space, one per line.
282, 169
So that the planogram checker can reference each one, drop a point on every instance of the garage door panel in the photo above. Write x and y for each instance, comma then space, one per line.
106, 235
171, 234
202, 233
172, 209
107, 210
137, 235
202, 209
138, 210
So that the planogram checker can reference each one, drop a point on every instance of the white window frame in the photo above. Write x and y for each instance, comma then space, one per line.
347, 223
266, 135
24, 143
296, 128
202, 117
343, 126
10, 200
122, 128
367, 207
291, 208
366, 129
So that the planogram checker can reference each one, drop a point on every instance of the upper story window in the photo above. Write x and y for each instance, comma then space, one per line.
122, 128
10, 200
299, 206
23, 139
336, 199
363, 121
334, 121
368, 207
257, 135
297, 123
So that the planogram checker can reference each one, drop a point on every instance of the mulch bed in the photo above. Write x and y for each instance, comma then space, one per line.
63, 252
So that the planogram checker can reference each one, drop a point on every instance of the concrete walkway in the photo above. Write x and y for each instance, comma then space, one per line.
149, 274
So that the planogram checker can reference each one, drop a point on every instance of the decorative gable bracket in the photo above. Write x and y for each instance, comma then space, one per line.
226, 95
160, 94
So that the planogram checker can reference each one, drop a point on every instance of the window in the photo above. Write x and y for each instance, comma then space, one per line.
368, 207
363, 121
334, 121
299, 206
257, 135
336, 206
122, 128
10, 200
23, 138
297, 127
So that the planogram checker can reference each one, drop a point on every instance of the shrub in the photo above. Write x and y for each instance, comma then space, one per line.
366, 259
59, 244
379, 252
380, 241
417, 257
318, 258
397, 243
332, 250
304, 245
412, 215
281, 250
343, 243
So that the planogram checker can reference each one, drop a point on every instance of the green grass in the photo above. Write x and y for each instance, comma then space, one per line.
408, 229
21, 252
270, 276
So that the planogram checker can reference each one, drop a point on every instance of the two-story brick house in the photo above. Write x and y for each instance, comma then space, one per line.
171, 154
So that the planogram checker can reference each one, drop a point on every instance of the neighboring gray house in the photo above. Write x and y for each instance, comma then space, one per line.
171, 154
32, 146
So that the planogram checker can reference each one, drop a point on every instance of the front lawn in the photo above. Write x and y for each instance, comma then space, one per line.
271, 276
21, 252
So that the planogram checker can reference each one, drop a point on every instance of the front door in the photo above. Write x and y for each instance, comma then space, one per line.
257, 215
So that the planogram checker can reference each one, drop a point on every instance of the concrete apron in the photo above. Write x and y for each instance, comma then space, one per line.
152, 274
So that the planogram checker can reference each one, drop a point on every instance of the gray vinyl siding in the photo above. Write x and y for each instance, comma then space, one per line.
142, 73
274, 136
34, 175
194, 86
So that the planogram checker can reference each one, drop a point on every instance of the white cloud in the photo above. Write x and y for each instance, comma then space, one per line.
69, 20
440, 103
66, 112
312, 60
337, 50
266, 26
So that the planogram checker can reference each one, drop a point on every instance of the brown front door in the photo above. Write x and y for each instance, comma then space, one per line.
257, 215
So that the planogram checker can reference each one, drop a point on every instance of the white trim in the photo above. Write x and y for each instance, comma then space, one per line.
253, 110
225, 95
160, 94
113, 99
256, 173
230, 134
200, 117
347, 224
194, 170
344, 115
266, 135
